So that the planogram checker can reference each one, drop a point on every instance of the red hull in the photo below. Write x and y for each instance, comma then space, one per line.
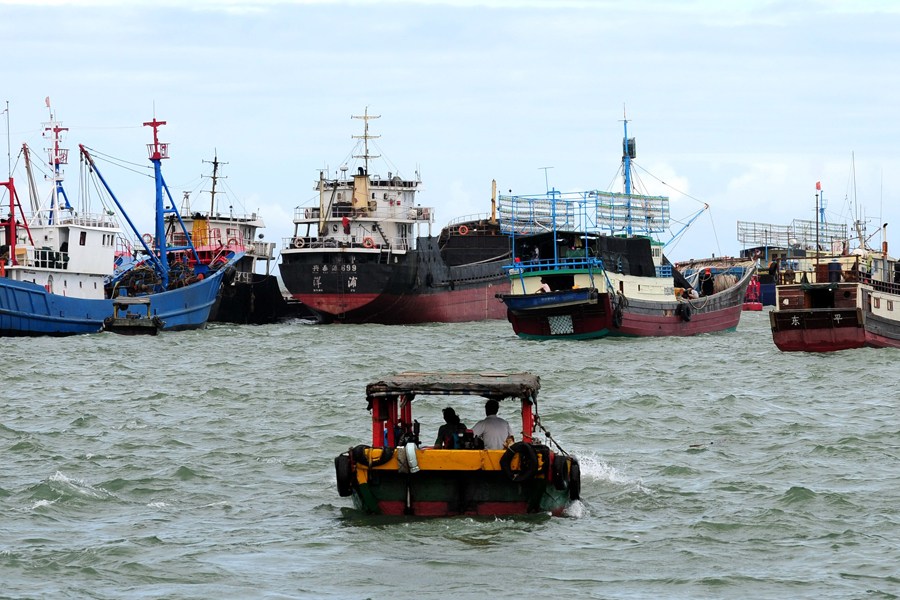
476, 304
641, 319
820, 340
656, 326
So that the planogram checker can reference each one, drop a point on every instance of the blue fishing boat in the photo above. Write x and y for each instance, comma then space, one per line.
61, 270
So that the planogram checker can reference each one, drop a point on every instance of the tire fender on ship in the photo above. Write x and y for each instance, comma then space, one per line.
344, 473
574, 481
527, 462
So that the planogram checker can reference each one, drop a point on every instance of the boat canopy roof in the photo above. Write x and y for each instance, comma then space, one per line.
489, 385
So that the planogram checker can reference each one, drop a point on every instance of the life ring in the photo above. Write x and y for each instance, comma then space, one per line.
368, 242
306, 213
527, 462
463, 230
344, 472
298, 242
147, 238
232, 242
574, 481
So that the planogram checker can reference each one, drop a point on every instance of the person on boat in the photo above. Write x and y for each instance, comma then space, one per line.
494, 430
449, 435
545, 287
707, 284
773, 270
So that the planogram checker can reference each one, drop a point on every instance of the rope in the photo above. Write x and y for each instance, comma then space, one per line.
537, 422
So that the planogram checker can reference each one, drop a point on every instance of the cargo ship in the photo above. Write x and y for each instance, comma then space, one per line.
366, 253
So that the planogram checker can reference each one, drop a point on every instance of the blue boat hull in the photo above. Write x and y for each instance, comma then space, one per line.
27, 309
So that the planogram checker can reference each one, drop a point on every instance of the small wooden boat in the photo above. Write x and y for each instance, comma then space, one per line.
126, 322
396, 475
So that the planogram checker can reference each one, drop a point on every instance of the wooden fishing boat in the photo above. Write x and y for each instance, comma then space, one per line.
841, 302
397, 475
585, 266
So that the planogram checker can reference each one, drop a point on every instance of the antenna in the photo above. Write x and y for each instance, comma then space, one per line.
365, 137
546, 181
8, 151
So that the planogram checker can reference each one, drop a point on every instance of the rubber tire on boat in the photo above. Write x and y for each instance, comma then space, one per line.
560, 472
617, 317
344, 473
359, 455
527, 462
574, 481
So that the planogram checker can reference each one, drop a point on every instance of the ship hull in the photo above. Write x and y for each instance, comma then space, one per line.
255, 302
857, 315
817, 330
581, 314
27, 309
353, 285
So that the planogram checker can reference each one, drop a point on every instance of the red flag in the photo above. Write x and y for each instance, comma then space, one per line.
818, 185
47, 101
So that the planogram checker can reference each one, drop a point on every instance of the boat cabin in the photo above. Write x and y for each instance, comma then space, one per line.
390, 400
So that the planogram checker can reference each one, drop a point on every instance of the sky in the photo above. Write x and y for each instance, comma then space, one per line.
740, 105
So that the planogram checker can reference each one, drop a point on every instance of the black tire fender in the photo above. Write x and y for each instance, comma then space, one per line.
560, 472
574, 480
528, 462
359, 456
344, 472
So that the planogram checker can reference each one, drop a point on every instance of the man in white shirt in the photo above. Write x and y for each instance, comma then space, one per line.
492, 429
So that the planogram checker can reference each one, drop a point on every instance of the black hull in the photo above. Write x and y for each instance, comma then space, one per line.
446, 279
259, 302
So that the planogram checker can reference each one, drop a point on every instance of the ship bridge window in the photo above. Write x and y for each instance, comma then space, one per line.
82, 238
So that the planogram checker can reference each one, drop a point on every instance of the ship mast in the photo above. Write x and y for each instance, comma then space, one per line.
158, 151
58, 156
365, 137
628, 153
212, 194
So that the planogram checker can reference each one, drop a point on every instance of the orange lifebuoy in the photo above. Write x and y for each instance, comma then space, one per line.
232, 242
368, 242
463, 230
147, 238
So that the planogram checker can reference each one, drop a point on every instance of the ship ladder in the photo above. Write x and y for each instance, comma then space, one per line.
381, 233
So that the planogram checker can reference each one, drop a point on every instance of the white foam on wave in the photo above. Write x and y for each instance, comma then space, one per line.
593, 468
79, 487
42, 504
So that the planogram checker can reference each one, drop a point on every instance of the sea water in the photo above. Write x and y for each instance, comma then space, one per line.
200, 465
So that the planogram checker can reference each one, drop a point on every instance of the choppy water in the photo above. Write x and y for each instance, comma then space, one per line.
200, 465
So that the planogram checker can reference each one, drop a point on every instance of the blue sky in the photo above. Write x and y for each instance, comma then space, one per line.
743, 105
